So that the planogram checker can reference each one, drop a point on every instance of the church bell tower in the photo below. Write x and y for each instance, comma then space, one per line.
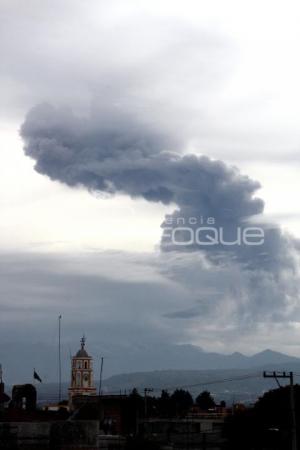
82, 382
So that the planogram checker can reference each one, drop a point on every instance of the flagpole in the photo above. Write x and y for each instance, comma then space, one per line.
59, 358
100, 379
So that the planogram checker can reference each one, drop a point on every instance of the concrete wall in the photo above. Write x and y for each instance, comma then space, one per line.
48, 435
111, 442
24, 435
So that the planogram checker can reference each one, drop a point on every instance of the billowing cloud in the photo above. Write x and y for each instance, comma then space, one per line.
253, 283
116, 153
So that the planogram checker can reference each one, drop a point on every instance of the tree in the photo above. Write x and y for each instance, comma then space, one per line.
268, 425
182, 401
164, 403
205, 401
134, 394
134, 409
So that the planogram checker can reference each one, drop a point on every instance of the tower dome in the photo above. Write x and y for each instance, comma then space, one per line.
82, 353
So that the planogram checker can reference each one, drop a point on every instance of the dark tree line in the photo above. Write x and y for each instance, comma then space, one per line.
176, 404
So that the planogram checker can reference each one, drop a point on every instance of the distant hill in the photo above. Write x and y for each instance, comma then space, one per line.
230, 379
192, 357
215, 367
125, 358
195, 358
231, 385
178, 357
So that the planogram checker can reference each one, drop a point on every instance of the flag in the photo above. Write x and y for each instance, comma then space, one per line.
36, 376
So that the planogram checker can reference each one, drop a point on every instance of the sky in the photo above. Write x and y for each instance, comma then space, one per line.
116, 117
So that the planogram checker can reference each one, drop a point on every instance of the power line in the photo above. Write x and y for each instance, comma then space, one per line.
207, 383
204, 383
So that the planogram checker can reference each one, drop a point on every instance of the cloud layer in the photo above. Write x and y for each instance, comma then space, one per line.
128, 305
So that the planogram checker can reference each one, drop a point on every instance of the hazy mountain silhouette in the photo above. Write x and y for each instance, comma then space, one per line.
211, 367
128, 359
193, 357
232, 385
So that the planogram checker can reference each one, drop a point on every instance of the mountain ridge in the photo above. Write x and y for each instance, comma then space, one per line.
193, 357
232, 384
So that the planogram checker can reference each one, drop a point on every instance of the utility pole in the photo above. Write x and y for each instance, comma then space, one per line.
59, 358
100, 378
290, 376
146, 391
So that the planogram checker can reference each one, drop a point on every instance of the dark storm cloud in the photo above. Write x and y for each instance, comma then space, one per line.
128, 156
120, 313
109, 154
116, 153
112, 152
129, 305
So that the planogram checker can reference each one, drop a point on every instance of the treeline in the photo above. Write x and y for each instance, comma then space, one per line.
179, 403
266, 425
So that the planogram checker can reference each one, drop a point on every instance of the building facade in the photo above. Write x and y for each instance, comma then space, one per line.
82, 380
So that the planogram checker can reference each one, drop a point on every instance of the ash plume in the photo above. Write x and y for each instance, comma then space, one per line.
115, 153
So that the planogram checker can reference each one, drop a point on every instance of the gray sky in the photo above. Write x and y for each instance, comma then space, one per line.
113, 99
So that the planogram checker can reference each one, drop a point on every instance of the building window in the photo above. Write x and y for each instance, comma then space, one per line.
85, 364
86, 380
78, 379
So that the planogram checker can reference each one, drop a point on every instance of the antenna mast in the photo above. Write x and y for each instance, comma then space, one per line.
59, 358
101, 374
